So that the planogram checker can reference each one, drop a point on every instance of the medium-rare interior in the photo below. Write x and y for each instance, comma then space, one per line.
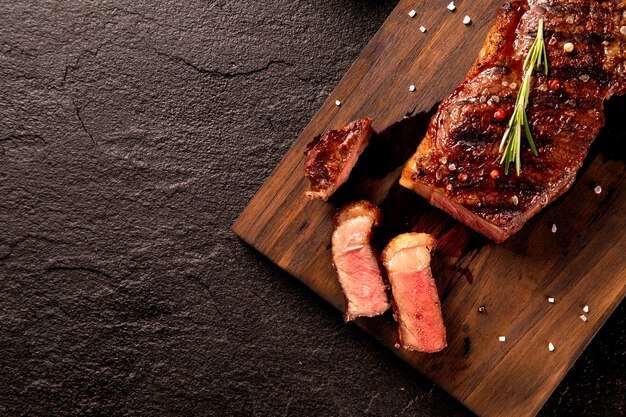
356, 262
416, 304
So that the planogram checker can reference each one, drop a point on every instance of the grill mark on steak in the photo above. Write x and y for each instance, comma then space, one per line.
464, 136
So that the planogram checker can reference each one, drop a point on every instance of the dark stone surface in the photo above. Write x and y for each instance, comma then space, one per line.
131, 136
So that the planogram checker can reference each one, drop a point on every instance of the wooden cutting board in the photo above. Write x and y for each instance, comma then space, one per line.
583, 263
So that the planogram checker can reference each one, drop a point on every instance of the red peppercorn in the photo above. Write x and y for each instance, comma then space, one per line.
462, 177
554, 84
499, 115
494, 174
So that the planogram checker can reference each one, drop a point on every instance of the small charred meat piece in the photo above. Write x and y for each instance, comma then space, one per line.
331, 158
415, 299
357, 266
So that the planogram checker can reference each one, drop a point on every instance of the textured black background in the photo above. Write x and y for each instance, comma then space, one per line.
131, 136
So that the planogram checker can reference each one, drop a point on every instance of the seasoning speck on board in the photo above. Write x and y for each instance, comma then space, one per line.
551, 300
598, 189
550, 347
411, 88
337, 103
586, 309
467, 20
583, 317
422, 29
451, 6
502, 338
553, 230
412, 13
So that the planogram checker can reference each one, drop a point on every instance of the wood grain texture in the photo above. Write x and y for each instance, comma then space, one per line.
581, 264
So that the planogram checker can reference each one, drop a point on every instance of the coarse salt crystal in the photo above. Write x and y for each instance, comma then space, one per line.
502, 338
467, 20
495, 99
583, 317
551, 300
568, 47
570, 19
550, 347
622, 30
452, 167
422, 29
584, 78
412, 13
586, 309
513, 86
598, 189
451, 6
337, 103
411, 87
553, 228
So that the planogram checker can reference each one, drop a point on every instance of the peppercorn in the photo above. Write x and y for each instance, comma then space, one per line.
554, 84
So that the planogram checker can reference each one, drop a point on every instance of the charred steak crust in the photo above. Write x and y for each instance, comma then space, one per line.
356, 262
330, 159
355, 209
457, 166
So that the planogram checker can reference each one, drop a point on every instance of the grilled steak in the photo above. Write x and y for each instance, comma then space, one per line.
331, 158
457, 165
416, 303
357, 265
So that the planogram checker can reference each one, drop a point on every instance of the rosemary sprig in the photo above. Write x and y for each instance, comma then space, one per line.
511, 140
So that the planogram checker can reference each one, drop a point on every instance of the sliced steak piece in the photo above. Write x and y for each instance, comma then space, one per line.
356, 263
457, 165
331, 158
416, 303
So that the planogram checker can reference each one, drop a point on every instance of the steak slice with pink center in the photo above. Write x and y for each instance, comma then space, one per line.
415, 299
356, 263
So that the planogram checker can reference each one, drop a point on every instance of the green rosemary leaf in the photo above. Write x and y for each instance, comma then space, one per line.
511, 142
529, 136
